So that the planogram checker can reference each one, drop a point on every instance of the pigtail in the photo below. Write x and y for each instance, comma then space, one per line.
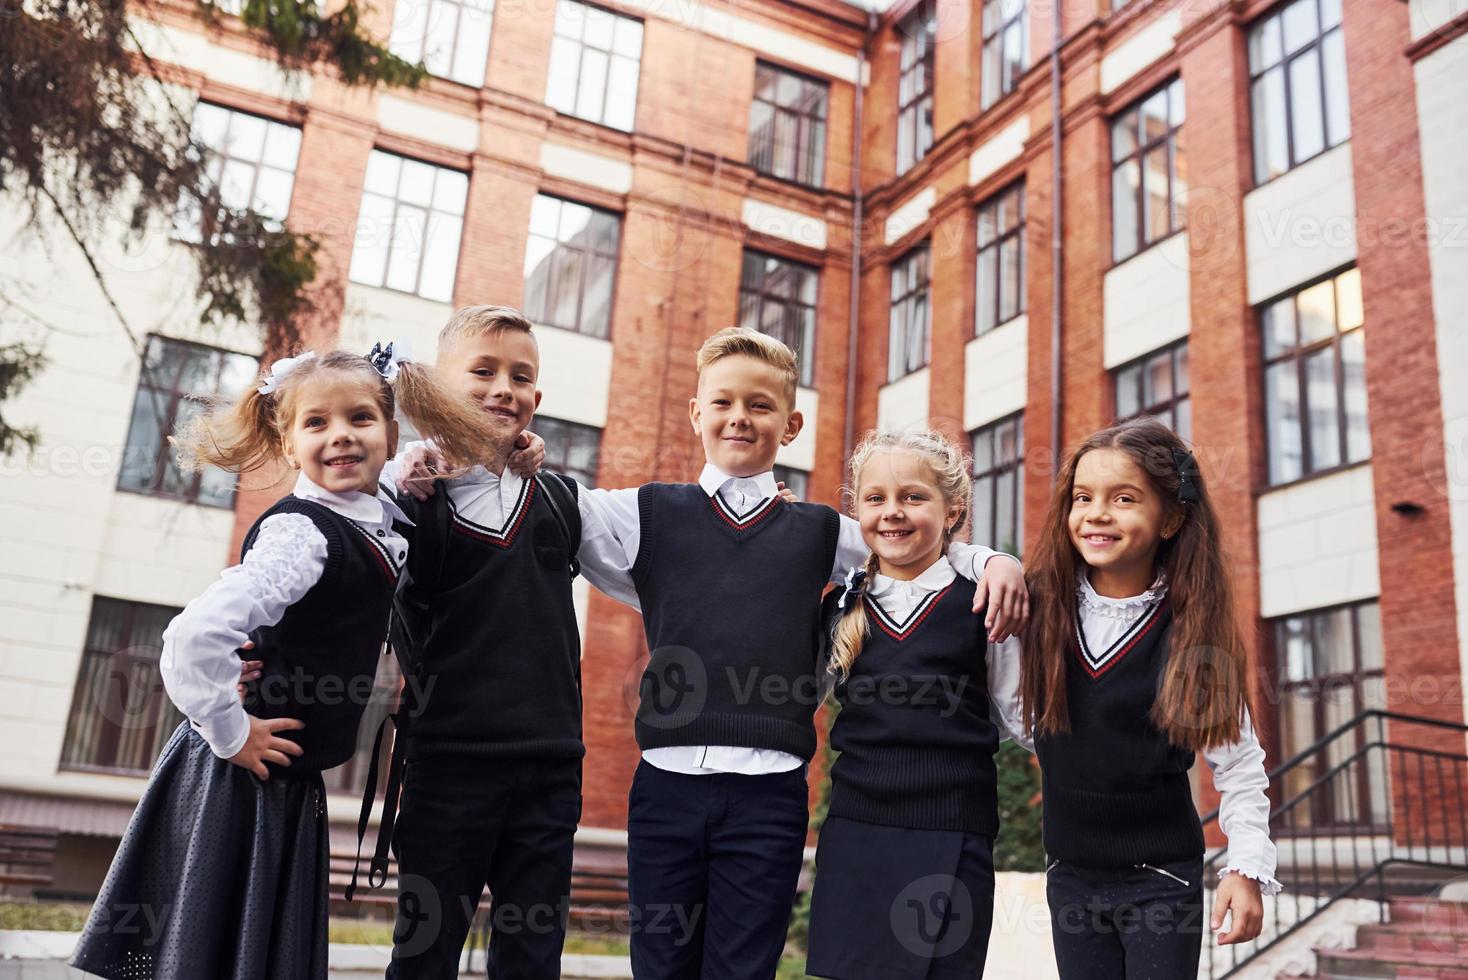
456, 426
850, 633
241, 436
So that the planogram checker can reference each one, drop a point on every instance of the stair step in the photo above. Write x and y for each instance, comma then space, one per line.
1394, 938
1429, 915
1365, 964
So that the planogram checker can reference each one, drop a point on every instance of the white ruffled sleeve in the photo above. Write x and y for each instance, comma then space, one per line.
1005, 706
1243, 809
199, 665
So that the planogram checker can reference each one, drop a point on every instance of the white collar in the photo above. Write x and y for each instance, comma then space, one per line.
357, 506
936, 576
478, 475
713, 479
1106, 605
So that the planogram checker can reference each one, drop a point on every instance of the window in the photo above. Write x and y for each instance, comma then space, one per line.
998, 516
570, 448
570, 265
1297, 85
787, 125
251, 159
177, 379
450, 37
1330, 670
915, 85
907, 339
409, 228
796, 481
1157, 386
1149, 173
120, 716
778, 297
595, 59
1000, 287
1006, 48
1315, 379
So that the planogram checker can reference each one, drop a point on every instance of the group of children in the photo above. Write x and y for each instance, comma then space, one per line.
1130, 664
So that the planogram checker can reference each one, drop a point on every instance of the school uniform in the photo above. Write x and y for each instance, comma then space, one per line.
1123, 839
492, 780
729, 577
221, 875
904, 883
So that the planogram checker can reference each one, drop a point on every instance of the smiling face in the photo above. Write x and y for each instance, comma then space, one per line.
903, 516
1118, 521
338, 434
742, 414
498, 370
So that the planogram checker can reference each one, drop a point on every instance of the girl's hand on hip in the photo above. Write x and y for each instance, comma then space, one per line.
264, 745
1240, 896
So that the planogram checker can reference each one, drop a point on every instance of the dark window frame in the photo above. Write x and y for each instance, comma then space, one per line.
795, 479
1174, 352
810, 127
1300, 355
919, 38
148, 382
1171, 140
1014, 193
1256, 81
206, 227
752, 304
540, 316
991, 475
558, 448
421, 244
611, 53
912, 295
994, 26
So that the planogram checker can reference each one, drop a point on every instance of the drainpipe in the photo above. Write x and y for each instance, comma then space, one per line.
1057, 248
848, 443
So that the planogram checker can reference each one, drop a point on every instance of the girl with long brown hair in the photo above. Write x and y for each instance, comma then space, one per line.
1134, 664
226, 854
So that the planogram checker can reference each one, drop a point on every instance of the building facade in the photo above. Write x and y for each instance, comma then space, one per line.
1257, 229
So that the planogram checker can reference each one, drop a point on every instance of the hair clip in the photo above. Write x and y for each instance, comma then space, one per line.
855, 585
387, 359
1187, 476
281, 369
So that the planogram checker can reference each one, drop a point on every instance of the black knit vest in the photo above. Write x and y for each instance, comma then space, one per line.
732, 609
320, 660
501, 662
1116, 791
916, 741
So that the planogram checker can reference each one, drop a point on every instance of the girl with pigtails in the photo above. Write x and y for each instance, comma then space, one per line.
905, 862
222, 872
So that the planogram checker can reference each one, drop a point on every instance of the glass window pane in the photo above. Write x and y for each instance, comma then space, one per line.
564, 293
1322, 394
1184, 419
1330, 14
575, 218
1128, 385
1004, 526
416, 186
1154, 116
986, 292
627, 38
1282, 409
1179, 162
1180, 369
599, 26
235, 184
983, 450
1265, 45
1296, 652
1009, 284
272, 193
1157, 380
471, 51
1278, 320
282, 147
545, 215
438, 45
1125, 185
409, 24
374, 234
592, 84
1337, 100
621, 106
1305, 111
1348, 300
983, 512
408, 231
1156, 211
1317, 313
1124, 136
1368, 628
246, 137
596, 307
539, 262
440, 258
988, 224
382, 173
1300, 26
1271, 138
565, 64
1353, 378
450, 191
570, 18
1335, 649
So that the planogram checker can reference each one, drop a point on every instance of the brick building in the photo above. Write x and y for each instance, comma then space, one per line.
1242, 186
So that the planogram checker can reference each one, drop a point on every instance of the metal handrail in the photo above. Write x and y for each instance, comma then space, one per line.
1307, 883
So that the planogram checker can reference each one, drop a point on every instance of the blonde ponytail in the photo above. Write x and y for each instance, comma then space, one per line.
456, 426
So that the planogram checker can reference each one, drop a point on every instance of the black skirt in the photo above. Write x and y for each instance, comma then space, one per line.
218, 876
900, 904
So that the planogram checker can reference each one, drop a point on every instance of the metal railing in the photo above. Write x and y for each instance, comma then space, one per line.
1361, 813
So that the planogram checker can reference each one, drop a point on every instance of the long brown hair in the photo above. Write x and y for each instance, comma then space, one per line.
1204, 691
248, 433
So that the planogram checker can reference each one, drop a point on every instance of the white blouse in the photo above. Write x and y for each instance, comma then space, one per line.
200, 667
1238, 769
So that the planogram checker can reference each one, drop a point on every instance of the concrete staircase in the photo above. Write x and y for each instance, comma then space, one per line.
1424, 939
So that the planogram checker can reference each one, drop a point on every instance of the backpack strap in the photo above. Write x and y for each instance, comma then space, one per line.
560, 496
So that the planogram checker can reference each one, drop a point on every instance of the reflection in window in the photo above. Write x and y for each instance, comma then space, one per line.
571, 265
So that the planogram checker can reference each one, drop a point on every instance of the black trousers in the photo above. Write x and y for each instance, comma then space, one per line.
1141, 923
712, 865
468, 823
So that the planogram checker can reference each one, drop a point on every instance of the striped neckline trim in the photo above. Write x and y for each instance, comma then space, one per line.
1097, 664
379, 550
901, 631
741, 522
503, 536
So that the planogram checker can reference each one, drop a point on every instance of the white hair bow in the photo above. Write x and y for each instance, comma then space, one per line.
386, 359
282, 368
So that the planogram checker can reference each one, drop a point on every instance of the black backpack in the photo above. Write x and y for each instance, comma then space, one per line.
407, 630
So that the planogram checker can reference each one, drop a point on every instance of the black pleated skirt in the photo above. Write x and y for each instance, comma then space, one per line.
900, 904
218, 877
